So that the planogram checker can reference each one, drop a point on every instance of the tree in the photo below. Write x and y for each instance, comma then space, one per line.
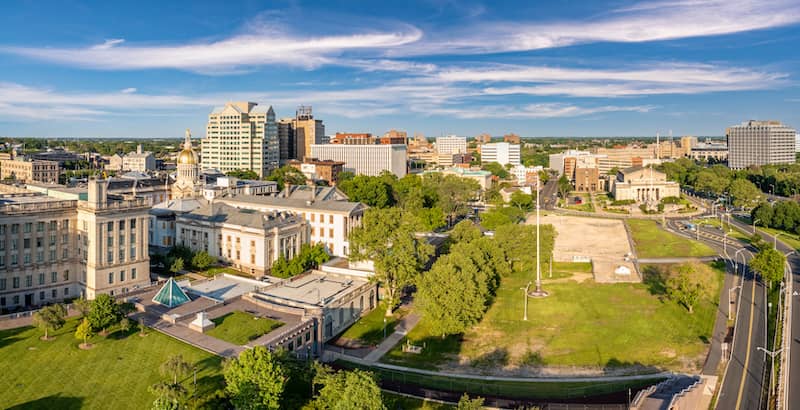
287, 175
522, 201
496, 169
243, 174
501, 216
385, 237
769, 263
163, 402
202, 260
84, 332
685, 287
255, 380
175, 367
564, 186
104, 312
453, 194
465, 403
50, 318
374, 191
465, 231
82, 305
744, 193
125, 324
344, 390
449, 297
177, 265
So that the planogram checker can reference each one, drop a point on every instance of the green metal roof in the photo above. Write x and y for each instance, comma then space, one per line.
171, 295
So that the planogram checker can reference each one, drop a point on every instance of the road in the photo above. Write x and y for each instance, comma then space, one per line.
549, 194
744, 380
793, 260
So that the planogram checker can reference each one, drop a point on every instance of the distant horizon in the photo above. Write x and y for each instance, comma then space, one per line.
674, 137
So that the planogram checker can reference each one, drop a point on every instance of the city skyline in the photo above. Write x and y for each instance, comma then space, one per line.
601, 69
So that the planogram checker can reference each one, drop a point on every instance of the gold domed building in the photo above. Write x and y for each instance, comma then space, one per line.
187, 179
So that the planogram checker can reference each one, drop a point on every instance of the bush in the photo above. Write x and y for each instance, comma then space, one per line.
623, 202
202, 260
672, 200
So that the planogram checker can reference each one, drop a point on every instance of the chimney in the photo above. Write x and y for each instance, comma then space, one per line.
139, 149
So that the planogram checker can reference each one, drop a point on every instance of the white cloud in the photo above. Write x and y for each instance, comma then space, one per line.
227, 55
532, 111
642, 22
129, 90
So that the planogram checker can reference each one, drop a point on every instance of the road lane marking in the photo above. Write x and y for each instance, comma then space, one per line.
749, 339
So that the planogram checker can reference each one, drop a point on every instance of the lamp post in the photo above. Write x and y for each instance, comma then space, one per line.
538, 292
525, 303
772, 369
735, 263
725, 242
384, 328
755, 221
775, 240
730, 301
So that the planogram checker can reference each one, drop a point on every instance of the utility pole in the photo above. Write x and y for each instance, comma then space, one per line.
772, 369
538, 292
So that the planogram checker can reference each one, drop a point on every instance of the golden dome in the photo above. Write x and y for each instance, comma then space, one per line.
187, 157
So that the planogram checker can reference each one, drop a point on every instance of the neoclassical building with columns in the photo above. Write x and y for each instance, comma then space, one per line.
643, 184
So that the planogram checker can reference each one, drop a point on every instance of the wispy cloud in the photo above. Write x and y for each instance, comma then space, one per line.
129, 90
532, 111
228, 55
641, 22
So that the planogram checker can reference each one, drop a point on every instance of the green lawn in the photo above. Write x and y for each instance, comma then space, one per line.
790, 239
240, 327
653, 242
115, 374
579, 324
369, 328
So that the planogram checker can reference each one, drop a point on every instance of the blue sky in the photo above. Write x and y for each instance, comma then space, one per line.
536, 68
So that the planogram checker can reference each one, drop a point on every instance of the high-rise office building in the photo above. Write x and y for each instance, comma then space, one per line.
365, 159
286, 140
307, 131
451, 144
241, 135
760, 143
500, 152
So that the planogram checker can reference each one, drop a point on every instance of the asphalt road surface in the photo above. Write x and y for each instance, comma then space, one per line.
743, 385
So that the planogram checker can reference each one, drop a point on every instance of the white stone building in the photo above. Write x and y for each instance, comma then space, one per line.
365, 159
500, 152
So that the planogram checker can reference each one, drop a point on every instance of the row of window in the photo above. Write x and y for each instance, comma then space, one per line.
26, 257
121, 276
38, 241
15, 300
27, 227
15, 281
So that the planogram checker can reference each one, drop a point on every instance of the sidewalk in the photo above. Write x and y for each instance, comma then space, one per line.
402, 329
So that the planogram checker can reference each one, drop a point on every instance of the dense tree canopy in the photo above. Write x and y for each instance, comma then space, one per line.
255, 380
769, 263
310, 256
386, 237
287, 175
345, 390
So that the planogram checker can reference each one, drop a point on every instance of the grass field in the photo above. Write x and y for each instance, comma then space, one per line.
653, 242
790, 239
115, 374
588, 325
394, 401
369, 328
240, 327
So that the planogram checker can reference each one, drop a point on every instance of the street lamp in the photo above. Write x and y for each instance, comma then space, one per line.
771, 355
755, 221
384, 328
525, 289
725, 242
730, 301
775, 240
736, 264
538, 292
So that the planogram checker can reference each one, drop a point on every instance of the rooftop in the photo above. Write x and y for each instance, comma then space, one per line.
292, 203
216, 212
314, 288
223, 287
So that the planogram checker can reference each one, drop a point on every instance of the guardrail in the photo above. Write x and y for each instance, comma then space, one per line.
782, 393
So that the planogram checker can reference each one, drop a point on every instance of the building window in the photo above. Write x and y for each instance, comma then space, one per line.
122, 276
133, 223
54, 293
65, 253
110, 227
330, 232
133, 253
41, 295
110, 256
2, 283
330, 219
16, 299
110, 241
121, 225
66, 291
14, 228
53, 277
40, 227
313, 217
133, 274
28, 281
26, 258
122, 255
110, 277
66, 275
26, 243
41, 278
28, 227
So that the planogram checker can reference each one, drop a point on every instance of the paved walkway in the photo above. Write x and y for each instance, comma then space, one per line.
402, 329
196, 339
679, 259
